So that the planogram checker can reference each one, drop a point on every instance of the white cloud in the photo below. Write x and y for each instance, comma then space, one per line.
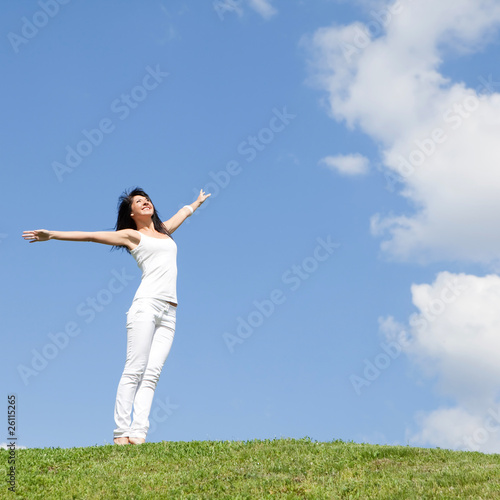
455, 338
438, 138
352, 165
222, 7
456, 428
263, 7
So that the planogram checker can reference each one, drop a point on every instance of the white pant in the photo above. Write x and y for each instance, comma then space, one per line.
150, 333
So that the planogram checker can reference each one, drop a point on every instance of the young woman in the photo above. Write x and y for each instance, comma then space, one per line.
152, 315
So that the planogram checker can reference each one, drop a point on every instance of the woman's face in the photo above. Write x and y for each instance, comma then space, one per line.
142, 206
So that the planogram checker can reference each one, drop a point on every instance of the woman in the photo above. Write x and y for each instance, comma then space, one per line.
152, 315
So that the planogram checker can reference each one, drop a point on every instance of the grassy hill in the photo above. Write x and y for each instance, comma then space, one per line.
280, 468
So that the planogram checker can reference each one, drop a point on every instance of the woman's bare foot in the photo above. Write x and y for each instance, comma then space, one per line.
121, 440
134, 440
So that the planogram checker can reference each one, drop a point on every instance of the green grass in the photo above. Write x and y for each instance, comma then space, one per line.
280, 468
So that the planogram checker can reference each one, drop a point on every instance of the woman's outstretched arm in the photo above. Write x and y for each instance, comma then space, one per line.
174, 222
119, 238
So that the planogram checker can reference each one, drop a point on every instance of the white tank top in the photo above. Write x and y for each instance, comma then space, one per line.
157, 259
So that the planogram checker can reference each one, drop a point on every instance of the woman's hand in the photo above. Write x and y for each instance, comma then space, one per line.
37, 235
202, 196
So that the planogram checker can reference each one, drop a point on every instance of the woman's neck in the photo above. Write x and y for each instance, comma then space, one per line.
146, 227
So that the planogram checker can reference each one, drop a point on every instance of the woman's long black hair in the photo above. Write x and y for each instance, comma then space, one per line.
124, 219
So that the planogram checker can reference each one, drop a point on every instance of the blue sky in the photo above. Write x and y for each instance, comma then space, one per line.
304, 120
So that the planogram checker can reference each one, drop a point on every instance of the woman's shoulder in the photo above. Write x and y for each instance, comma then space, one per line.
132, 235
